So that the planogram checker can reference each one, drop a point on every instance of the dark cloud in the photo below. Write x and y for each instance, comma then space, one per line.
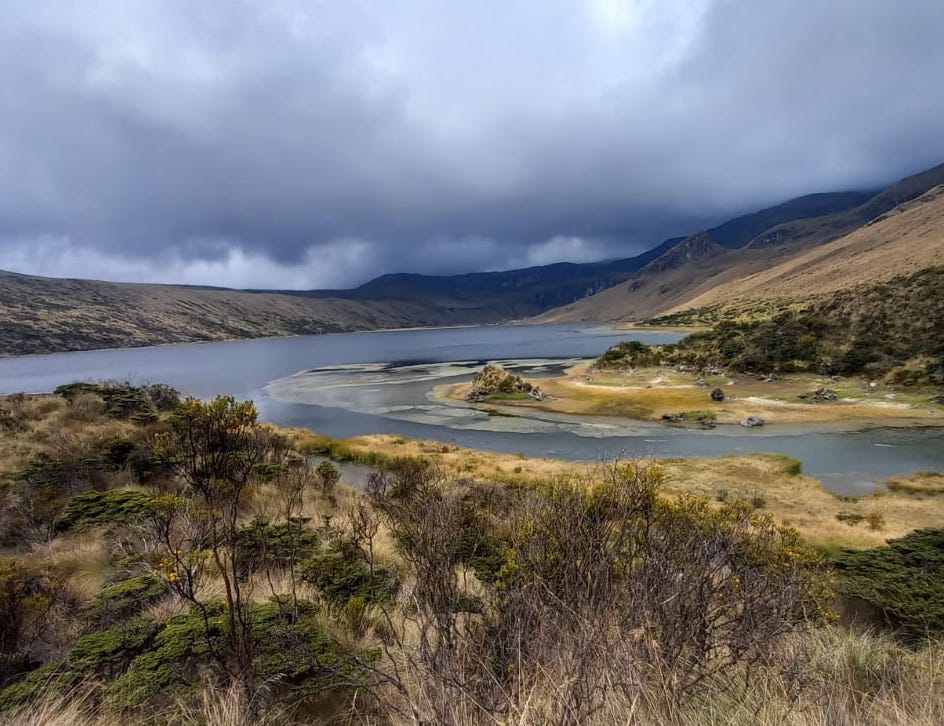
295, 143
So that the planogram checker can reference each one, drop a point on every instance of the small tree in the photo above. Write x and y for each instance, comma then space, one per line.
218, 449
329, 475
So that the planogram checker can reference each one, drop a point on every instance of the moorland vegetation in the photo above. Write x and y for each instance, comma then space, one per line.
177, 561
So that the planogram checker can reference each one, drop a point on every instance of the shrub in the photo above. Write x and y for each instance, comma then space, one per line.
104, 509
263, 544
26, 599
343, 572
904, 579
124, 600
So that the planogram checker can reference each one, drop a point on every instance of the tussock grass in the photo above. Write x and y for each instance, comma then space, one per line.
922, 482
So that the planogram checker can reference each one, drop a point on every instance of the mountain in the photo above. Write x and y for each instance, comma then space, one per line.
720, 256
905, 240
39, 315
42, 315
500, 296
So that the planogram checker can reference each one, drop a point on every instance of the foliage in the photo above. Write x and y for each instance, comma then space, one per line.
342, 571
630, 354
588, 566
124, 600
102, 509
141, 660
894, 328
904, 579
26, 599
329, 475
124, 400
265, 544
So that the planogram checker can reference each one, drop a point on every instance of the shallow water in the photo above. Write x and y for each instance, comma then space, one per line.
361, 383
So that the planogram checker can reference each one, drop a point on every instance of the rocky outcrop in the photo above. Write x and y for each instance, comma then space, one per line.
493, 382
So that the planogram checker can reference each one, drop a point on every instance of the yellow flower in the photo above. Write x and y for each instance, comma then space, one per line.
172, 577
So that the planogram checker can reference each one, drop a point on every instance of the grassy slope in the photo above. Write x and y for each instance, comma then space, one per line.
903, 241
848, 677
700, 269
41, 315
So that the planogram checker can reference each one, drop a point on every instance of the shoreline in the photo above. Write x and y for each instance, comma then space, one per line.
657, 396
771, 482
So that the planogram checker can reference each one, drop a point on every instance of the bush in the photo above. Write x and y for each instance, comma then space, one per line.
103, 509
124, 400
343, 572
904, 579
124, 600
630, 354
263, 544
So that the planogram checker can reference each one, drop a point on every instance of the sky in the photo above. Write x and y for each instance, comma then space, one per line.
316, 144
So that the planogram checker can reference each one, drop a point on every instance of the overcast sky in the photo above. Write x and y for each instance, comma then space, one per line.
309, 143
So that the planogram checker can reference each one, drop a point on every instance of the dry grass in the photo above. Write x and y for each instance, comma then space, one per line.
794, 499
923, 482
82, 562
904, 241
820, 677
649, 394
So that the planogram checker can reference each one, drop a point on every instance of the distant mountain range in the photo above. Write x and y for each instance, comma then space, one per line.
40, 315
713, 259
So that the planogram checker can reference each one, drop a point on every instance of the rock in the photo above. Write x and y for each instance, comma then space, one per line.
673, 417
752, 421
701, 383
824, 394
493, 380
939, 400
717, 395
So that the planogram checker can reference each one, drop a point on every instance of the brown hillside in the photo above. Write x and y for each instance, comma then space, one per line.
41, 315
907, 239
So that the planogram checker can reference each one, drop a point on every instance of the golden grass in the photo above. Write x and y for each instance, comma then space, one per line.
794, 499
649, 394
923, 482
82, 562
904, 241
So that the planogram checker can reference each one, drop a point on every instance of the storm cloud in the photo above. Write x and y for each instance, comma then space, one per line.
306, 143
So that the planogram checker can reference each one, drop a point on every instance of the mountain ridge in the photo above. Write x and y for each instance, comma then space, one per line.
39, 315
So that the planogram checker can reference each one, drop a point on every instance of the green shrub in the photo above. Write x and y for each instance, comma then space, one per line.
124, 400
261, 543
103, 509
904, 579
123, 600
343, 571
630, 354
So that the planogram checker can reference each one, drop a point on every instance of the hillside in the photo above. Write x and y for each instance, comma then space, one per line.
39, 315
708, 266
907, 239
174, 561
42, 315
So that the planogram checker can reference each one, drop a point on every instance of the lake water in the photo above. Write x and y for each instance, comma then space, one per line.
380, 382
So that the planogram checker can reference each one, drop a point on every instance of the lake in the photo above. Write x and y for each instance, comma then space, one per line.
379, 382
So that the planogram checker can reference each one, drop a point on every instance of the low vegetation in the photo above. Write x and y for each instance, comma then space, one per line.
894, 330
195, 566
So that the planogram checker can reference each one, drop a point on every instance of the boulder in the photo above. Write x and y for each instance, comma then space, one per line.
752, 421
717, 395
824, 394
495, 381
